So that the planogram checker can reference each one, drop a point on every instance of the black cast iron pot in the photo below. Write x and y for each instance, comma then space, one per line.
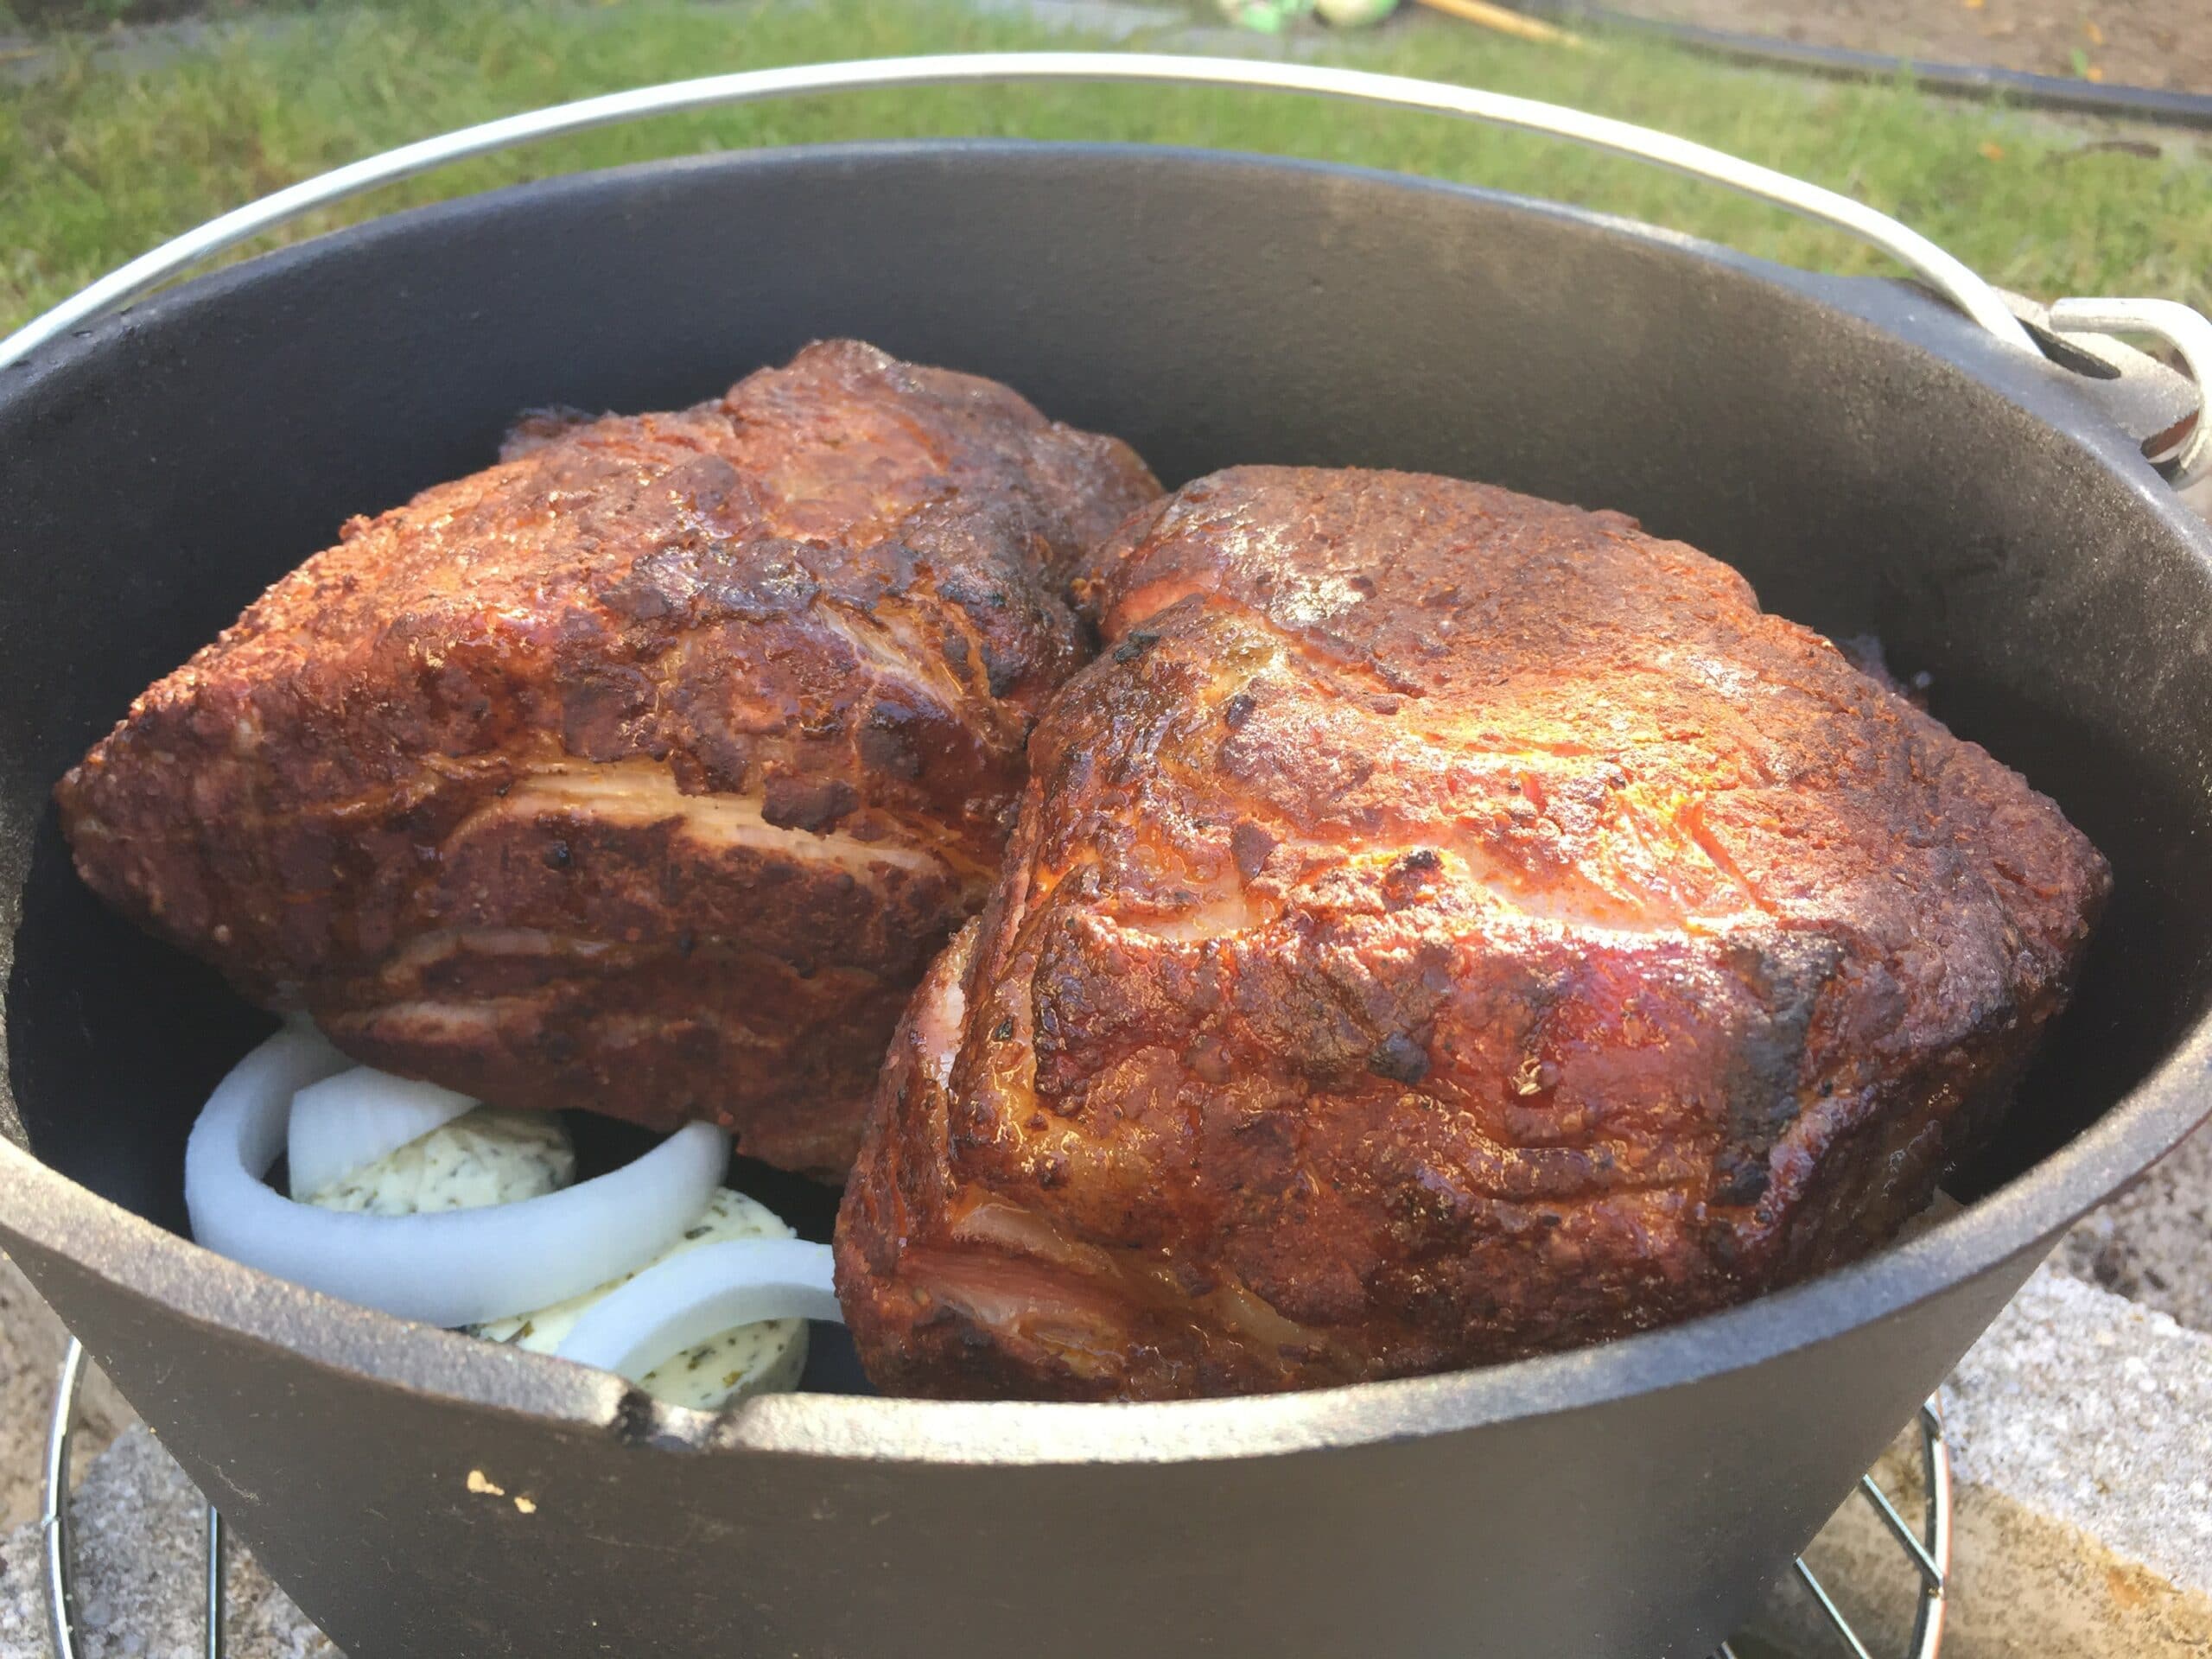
1871, 460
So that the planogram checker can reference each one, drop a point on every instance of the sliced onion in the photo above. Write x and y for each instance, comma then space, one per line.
457, 1267
685, 1301
344, 1123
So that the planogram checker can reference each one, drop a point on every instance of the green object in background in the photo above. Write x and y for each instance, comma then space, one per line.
1265, 17
1354, 13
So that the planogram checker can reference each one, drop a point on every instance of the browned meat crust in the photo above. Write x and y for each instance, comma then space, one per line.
1443, 927
643, 772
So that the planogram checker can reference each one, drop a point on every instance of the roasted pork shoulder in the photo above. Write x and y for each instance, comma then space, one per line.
1442, 926
643, 772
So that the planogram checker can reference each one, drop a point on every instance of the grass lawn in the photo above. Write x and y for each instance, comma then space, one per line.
101, 163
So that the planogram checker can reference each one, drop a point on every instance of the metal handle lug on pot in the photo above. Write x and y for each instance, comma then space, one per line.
2148, 400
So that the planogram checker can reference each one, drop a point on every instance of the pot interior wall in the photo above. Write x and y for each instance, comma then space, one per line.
1212, 311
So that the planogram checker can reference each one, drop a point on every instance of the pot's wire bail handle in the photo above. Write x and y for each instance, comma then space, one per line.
1953, 279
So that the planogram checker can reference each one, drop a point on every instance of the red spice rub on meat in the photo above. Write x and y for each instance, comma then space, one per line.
643, 771
1442, 926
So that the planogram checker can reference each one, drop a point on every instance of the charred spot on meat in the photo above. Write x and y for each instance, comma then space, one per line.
1441, 926
643, 772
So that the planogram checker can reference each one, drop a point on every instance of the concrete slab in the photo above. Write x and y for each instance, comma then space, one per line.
2081, 1430
2096, 1412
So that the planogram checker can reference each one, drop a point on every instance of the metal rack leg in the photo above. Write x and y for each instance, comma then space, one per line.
1929, 1550
54, 1511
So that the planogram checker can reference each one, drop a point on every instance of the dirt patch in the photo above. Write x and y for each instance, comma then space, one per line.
2140, 42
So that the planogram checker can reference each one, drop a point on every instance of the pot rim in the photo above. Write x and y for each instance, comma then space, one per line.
53, 1213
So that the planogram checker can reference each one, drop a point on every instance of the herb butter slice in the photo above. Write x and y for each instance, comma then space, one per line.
483, 1157
749, 1359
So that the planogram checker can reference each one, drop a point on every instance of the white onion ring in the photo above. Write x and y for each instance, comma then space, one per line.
457, 1267
348, 1121
682, 1302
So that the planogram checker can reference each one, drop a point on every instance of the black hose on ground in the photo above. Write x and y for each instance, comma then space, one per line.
1961, 79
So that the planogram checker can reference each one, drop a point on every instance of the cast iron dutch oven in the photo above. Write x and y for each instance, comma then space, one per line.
1874, 460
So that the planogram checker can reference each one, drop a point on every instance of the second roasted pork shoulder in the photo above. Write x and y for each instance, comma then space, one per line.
1442, 926
643, 772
